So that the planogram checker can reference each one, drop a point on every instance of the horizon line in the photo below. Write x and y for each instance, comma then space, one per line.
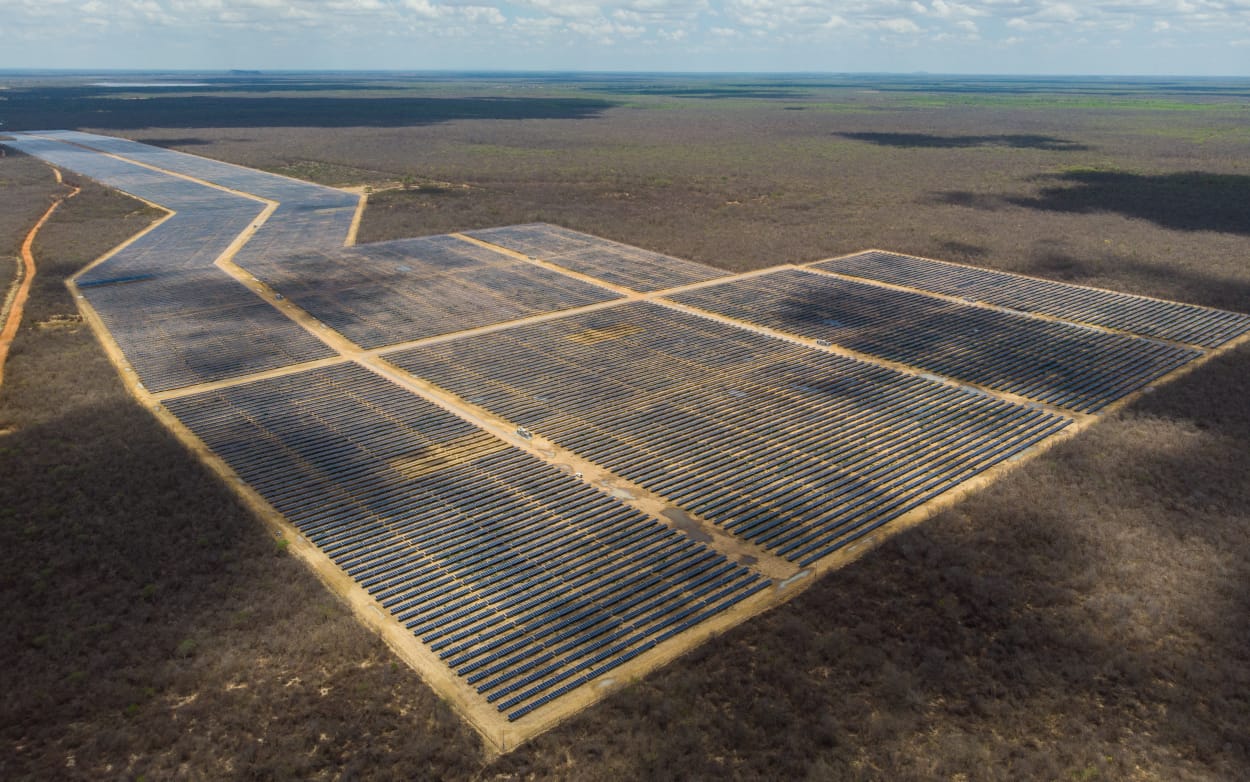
603, 72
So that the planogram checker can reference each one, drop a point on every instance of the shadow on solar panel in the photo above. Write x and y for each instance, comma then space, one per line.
794, 449
1064, 364
522, 579
603, 259
1136, 314
378, 295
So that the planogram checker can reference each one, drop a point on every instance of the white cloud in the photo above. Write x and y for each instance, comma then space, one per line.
899, 26
675, 27
1058, 12
945, 10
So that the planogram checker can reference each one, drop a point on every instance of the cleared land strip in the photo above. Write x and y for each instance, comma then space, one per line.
563, 678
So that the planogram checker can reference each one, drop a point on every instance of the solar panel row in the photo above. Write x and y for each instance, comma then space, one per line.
390, 292
1064, 364
246, 180
310, 216
171, 192
190, 240
619, 264
791, 448
523, 579
178, 319
295, 227
194, 327
1137, 314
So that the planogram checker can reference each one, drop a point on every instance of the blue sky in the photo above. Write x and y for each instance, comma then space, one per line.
1176, 37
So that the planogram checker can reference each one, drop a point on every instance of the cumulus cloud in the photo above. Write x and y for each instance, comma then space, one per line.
899, 25
676, 26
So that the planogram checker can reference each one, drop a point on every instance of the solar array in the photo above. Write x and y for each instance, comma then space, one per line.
1064, 364
613, 262
156, 186
196, 327
309, 215
524, 580
245, 180
390, 292
296, 227
179, 319
788, 447
1137, 314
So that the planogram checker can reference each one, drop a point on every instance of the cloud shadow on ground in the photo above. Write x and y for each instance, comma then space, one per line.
1184, 201
43, 109
933, 141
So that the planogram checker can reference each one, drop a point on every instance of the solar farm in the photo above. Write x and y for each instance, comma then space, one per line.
540, 463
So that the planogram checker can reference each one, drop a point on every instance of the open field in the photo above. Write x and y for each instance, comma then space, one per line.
1084, 617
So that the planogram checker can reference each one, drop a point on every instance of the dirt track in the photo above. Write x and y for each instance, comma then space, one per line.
13, 313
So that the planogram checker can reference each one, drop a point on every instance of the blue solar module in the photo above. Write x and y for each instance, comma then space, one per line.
523, 579
791, 448
297, 226
389, 292
196, 327
179, 319
1065, 364
170, 192
613, 262
248, 180
189, 241
310, 216
1137, 314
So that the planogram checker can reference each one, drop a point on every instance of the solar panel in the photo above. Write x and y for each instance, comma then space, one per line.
1069, 365
190, 240
247, 180
309, 215
791, 448
1137, 314
613, 262
390, 292
178, 319
525, 581
198, 327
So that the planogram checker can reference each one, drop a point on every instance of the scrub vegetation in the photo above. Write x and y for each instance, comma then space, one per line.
1086, 617
28, 188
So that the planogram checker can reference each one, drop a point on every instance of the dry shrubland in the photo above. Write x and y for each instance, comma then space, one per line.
28, 188
1083, 618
